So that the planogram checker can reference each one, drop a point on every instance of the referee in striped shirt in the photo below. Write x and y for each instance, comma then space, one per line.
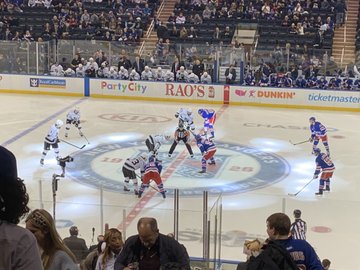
298, 227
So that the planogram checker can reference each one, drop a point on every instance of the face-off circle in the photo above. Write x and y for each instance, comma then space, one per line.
238, 168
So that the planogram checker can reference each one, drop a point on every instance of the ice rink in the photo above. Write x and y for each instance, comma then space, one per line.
256, 167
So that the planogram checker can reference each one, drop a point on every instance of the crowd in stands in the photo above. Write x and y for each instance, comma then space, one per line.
41, 20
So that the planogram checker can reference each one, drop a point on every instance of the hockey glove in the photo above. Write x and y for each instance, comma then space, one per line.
311, 139
176, 115
315, 176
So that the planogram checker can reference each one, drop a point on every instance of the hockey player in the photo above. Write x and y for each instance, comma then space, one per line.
264, 81
91, 64
207, 149
52, 139
300, 82
56, 70
182, 75
153, 143
347, 83
69, 73
181, 134
123, 73
134, 76
186, 118
209, 116
152, 171
169, 76
159, 75
192, 78
129, 168
322, 83
73, 118
103, 70
147, 74
249, 79
324, 165
112, 73
80, 71
205, 78
318, 131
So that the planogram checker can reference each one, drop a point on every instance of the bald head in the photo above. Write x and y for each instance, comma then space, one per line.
148, 231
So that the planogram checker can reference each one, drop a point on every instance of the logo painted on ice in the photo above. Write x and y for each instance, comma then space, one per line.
238, 168
136, 118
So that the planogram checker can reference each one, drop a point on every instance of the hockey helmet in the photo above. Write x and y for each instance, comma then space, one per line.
76, 110
167, 137
189, 111
198, 137
152, 159
316, 151
59, 123
312, 118
200, 111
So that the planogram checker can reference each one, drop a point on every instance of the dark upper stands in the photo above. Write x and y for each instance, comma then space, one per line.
64, 20
271, 31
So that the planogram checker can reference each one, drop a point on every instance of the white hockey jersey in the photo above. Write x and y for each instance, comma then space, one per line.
52, 135
72, 116
157, 140
134, 164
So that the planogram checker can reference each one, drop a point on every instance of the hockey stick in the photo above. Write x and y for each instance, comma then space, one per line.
73, 144
85, 138
308, 140
294, 194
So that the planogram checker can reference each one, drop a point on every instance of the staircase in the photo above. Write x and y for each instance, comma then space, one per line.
150, 39
344, 36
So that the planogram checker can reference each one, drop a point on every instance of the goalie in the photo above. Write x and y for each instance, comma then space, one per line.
73, 118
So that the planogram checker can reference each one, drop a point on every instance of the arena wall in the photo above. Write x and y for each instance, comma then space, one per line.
182, 92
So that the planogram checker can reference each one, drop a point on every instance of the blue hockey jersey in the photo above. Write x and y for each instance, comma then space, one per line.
317, 129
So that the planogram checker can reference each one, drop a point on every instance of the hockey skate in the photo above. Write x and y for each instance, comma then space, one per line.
42, 162
169, 155
81, 134
320, 193
192, 155
212, 162
203, 171
139, 194
136, 192
126, 189
327, 189
163, 194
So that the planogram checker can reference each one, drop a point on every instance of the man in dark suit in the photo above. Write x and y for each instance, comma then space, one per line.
176, 66
230, 75
139, 64
76, 245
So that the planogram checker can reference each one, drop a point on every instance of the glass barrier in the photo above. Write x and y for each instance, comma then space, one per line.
232, 219
36, 58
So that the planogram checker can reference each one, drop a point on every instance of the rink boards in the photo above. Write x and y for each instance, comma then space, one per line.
182, 92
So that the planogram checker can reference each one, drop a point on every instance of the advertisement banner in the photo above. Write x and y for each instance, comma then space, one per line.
293, 97
41, 84
167, 91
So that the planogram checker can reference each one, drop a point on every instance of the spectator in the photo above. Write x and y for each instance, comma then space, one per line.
76, 245
278, 229
162, 31
230, 75
55, 255
18, 245
251, 250
91, 259
180, 19
183, 33
326, 264
76, 61
152, 247
217, 33
113, 245
340, 10
298, 227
